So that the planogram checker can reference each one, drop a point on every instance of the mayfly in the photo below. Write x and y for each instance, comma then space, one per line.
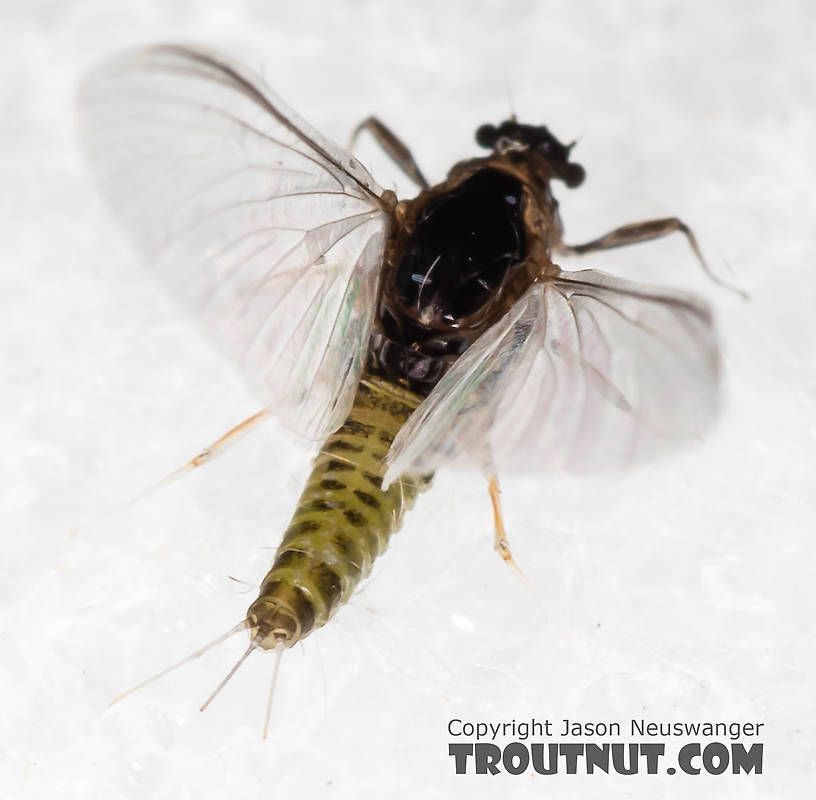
405, 335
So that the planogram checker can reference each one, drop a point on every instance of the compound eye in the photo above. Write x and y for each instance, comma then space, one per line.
574, 175
486, 135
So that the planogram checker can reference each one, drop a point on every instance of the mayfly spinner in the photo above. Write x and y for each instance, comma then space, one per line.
405, 334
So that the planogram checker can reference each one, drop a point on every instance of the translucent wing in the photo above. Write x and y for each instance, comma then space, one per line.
587, 372
271, 234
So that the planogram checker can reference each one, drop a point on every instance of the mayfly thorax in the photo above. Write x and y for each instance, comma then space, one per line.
404, 335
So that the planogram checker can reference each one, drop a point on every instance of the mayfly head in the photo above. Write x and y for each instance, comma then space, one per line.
532, 140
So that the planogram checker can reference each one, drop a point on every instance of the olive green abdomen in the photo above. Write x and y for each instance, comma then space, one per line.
343, 520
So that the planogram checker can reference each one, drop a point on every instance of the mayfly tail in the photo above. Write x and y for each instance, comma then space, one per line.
204, 456
279, 648
232, 672
243, 625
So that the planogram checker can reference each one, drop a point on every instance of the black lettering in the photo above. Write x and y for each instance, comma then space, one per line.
746, 760
515, 758
551, 767
618, 750
571, 753
687, 752
597, 755
715, 758
487, 756
653, 752
460, 753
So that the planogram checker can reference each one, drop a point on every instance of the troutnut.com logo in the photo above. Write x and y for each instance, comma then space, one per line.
692, 748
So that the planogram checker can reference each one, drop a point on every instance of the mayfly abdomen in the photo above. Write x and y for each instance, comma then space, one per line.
343, 520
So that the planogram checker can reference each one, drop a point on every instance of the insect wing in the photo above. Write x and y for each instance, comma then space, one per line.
269, 233
586, 372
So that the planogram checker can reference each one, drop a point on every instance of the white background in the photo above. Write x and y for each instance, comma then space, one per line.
682, 591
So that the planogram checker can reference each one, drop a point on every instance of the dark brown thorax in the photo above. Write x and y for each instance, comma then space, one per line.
461, 253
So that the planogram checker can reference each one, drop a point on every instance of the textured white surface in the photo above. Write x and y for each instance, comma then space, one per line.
680, 591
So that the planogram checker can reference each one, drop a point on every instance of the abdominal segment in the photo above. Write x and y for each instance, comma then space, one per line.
343, 520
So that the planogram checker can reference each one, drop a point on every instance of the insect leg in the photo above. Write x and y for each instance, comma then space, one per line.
211, 451
645, 232
393, 146
204, 455
500, 543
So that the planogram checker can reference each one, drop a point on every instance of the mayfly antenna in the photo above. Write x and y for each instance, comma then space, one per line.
279, 648
509, 91
243, 625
